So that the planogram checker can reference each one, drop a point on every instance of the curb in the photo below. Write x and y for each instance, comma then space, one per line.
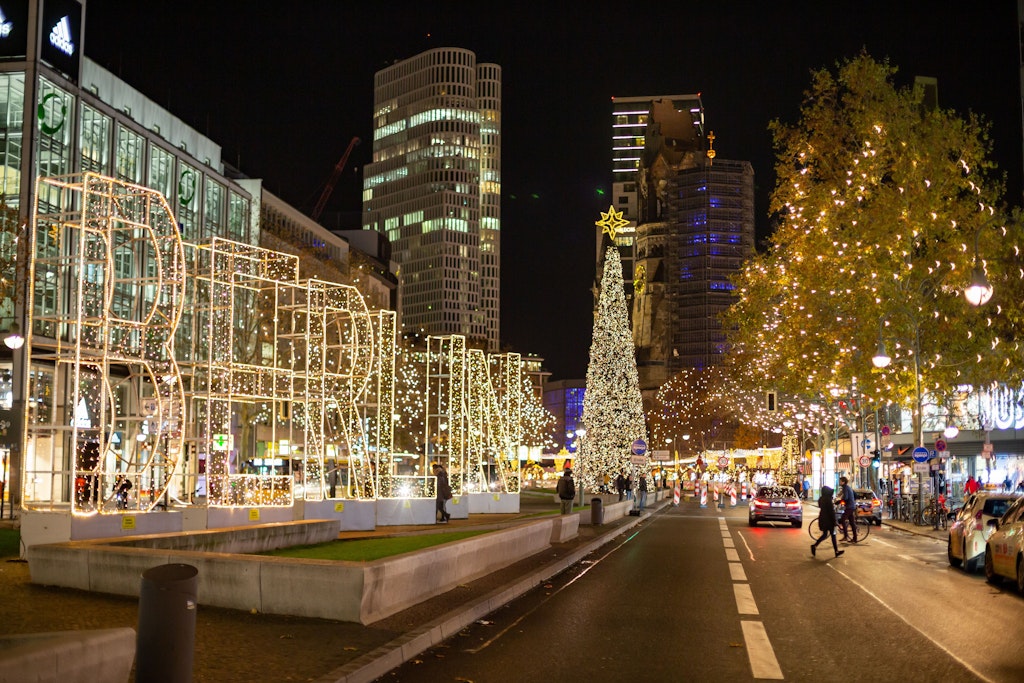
380, 661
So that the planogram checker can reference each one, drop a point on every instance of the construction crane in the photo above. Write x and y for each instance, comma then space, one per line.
332, 181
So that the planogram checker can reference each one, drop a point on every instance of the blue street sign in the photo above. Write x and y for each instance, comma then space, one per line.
921, 454
639, 447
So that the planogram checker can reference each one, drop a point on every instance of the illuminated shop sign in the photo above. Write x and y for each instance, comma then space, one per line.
61, 43
13, 29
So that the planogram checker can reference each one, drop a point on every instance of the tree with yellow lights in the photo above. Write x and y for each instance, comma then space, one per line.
613, 413
707, 406
881, 201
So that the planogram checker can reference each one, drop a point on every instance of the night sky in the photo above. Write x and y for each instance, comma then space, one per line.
284, 86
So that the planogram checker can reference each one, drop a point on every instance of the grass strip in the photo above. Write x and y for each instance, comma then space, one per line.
367, 549
10, 542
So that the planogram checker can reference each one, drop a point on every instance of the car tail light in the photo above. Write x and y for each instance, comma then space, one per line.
793, 504
761, 503
875, 503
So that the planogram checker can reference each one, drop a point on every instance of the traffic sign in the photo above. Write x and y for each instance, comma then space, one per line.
940, 445
885, 430
639, 447
921, 468
921, 454
864, 460
723, 461
639, 460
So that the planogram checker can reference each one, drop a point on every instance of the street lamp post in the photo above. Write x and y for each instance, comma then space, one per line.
882, 359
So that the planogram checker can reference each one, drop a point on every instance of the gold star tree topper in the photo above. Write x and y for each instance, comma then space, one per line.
611, 222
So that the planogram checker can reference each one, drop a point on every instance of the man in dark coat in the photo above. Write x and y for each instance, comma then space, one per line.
566, 491
826, 521
444, 492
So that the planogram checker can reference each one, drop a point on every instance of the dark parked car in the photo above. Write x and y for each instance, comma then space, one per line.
776, 504
868, 505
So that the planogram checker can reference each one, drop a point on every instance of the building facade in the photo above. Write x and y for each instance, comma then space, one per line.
433, 188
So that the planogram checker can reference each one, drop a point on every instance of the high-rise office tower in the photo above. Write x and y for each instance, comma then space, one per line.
630, 116
434, 190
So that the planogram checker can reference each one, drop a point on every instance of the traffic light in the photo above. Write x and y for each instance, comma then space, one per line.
876, 459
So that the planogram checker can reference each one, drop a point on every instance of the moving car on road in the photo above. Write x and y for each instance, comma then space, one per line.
970, 530
776, 504
1004, 552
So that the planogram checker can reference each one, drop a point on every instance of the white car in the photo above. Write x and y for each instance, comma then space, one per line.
1004, 552
969, 530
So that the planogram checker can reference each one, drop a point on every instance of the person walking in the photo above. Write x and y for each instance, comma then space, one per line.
849, 501
971, 485
642, 492
620, 485
444, 491
826, 521
566, 490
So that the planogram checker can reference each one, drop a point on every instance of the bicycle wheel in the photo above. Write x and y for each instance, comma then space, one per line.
863, 528
813, 529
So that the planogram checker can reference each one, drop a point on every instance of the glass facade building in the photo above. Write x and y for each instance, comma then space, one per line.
434, 190
62, 114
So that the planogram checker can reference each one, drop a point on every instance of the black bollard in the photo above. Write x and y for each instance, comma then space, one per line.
165, 642
596, 511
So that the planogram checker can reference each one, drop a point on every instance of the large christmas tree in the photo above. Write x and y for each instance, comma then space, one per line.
613, 411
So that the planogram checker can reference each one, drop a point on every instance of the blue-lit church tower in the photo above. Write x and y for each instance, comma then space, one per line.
695, 227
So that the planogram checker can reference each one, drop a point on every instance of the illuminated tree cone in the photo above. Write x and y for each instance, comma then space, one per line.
613, 412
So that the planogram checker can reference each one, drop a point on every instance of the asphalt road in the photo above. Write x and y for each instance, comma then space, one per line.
696, 594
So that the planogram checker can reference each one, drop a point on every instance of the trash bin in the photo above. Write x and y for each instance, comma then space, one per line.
596, 511
167, 624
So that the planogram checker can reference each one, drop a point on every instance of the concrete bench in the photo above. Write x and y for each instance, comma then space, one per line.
68, 656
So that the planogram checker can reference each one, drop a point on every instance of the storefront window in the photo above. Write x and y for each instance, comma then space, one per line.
53, 147
238, 218
12, 112
95, 141
161, 172
188, 196
130, 148
213, 209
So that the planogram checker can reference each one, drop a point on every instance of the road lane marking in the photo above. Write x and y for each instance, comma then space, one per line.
732, 555
880, 541
736, 572
744, 598
969, 667
763, 663
728, 543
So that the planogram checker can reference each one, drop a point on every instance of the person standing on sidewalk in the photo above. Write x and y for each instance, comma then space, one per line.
642, 492
444, 491
620, 485
826, 521
566, 491
849, 500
